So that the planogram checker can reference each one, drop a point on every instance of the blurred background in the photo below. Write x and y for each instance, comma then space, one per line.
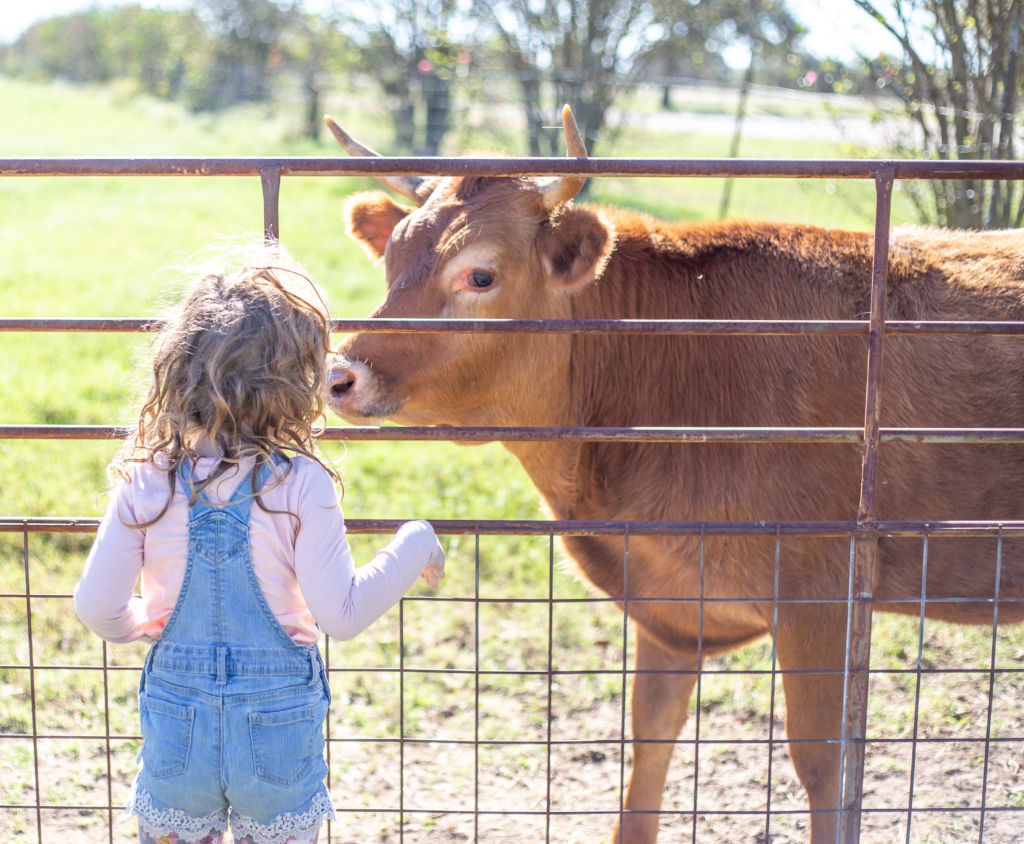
687, 78
917, 78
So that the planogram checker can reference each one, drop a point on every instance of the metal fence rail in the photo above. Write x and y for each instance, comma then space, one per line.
528, 527
740, 327
267, 168
414, 433
863, 533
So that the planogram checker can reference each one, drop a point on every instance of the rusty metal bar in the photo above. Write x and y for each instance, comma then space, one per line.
917, 689
948, 435
527, 527
991, 690
725, 327
442, 810
270, 179
87, 324
401, 721
476, 687
32, 685
866, 537
697, 700
843, 736
327, 726
107, 736
419, 434
625, 686
740, 599
538, 672
909, 328
355, 433
550, 679
771, 699
513, 166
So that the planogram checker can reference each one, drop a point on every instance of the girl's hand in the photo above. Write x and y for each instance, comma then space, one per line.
434, 572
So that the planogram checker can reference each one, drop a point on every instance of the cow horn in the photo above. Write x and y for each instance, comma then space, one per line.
564, 188
407, 186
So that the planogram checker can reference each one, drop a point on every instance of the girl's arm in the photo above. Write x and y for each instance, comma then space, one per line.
345, 600
103, 597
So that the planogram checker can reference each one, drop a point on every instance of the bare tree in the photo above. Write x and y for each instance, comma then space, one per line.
587, 52
248, 35
586, 49
411, 50
317, 50
958, 79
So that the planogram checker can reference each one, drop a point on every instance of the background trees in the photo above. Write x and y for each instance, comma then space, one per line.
959, 80
213, 55
414, 49
245, 48
954, 89
151, 46
587, 50
588, 53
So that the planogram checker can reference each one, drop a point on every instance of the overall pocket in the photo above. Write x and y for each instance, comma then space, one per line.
166, 734
284, 744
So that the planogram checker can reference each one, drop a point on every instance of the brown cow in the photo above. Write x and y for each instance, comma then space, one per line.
518, 248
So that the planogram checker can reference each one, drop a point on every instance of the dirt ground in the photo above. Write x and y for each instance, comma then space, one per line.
732, 777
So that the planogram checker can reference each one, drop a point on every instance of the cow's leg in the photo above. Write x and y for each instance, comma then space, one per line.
813, 638
660, 703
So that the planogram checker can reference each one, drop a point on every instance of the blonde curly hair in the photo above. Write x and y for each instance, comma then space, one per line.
241, 362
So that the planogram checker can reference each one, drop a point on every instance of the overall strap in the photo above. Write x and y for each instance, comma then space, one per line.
240, 502
222, 622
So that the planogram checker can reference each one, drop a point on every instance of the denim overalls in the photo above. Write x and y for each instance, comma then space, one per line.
232, 709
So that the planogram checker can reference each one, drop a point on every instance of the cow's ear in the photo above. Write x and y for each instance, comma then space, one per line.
574, 246
371, 218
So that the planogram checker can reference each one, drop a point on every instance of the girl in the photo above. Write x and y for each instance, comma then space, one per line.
224, 505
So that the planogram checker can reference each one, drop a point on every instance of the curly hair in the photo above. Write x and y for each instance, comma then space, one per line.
241, 361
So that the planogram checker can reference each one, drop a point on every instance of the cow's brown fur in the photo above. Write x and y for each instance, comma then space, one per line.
588, 262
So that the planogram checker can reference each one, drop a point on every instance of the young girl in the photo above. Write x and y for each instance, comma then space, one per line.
224, 506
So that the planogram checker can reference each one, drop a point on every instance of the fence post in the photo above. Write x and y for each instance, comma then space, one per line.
270, 178
866, 538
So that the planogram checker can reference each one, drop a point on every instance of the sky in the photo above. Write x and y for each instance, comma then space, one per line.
839, 29
836, 28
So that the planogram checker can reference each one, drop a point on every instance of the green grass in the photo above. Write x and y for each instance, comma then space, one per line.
103, 247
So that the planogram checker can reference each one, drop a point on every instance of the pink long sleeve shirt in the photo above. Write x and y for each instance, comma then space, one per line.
306, 573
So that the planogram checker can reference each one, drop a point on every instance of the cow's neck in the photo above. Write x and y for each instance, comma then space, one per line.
551, 465
574, 396
611, 381
552, 468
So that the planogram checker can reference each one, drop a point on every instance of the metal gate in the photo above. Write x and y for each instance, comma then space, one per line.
863, 531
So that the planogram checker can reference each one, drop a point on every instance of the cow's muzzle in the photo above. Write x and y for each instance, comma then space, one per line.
344, 380
339, 383
352, 391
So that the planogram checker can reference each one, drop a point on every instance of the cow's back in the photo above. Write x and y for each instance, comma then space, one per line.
747, 271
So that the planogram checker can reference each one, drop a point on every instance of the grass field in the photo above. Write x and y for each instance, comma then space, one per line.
108, 247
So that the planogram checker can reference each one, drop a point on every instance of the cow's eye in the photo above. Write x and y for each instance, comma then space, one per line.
481, 279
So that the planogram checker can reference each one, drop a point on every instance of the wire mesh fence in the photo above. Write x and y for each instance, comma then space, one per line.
511, 759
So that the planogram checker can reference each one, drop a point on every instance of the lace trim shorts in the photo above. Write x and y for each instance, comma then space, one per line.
257, 752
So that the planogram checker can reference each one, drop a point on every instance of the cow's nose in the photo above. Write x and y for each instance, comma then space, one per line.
340, 381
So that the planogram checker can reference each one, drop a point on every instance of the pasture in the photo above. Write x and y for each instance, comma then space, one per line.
107, 247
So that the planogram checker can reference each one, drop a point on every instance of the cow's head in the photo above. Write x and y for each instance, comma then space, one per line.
471, 248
